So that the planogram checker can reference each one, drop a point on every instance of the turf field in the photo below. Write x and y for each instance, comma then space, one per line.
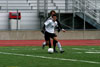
35, 56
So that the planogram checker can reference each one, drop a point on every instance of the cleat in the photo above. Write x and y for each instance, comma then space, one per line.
55, 51
43, 45
62, 51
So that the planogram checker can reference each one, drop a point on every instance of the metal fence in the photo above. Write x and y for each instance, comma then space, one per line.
73, 6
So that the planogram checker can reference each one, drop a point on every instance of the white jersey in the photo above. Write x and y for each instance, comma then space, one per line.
50, 25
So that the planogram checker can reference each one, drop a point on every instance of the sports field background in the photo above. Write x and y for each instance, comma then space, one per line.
26, 53
35, 56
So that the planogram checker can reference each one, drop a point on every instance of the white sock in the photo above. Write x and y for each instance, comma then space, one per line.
44, 43
59, 46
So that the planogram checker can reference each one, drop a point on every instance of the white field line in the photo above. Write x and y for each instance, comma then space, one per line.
80, 49
78, 52
43, 57
88, 51
25, 49
22, 49
92, 49
93, 52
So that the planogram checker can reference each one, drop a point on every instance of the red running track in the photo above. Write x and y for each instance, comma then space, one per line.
39, 42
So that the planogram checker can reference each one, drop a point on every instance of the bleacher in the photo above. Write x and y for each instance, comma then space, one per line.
30, 10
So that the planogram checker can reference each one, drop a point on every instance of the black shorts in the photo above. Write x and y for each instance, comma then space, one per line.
49, 35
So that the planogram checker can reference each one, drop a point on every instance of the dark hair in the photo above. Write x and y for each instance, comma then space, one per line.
52, 11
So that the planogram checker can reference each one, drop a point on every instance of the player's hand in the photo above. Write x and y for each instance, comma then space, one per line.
63, 30
43, 31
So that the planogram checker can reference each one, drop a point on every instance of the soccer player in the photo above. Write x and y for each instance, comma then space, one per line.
47, 37
59, 29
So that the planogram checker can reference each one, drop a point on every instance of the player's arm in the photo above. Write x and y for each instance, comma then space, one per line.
60, 27
43, 29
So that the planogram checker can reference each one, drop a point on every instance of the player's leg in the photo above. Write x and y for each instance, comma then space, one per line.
47, 39
60, 48
55, 41
48, 43
44, 44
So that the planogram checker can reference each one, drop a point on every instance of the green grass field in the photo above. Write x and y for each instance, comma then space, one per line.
33, 56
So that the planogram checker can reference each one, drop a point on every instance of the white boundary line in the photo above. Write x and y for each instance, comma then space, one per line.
88, 51
21, 49
24, 49
92, 49
43, 57
93, 52
80, 49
